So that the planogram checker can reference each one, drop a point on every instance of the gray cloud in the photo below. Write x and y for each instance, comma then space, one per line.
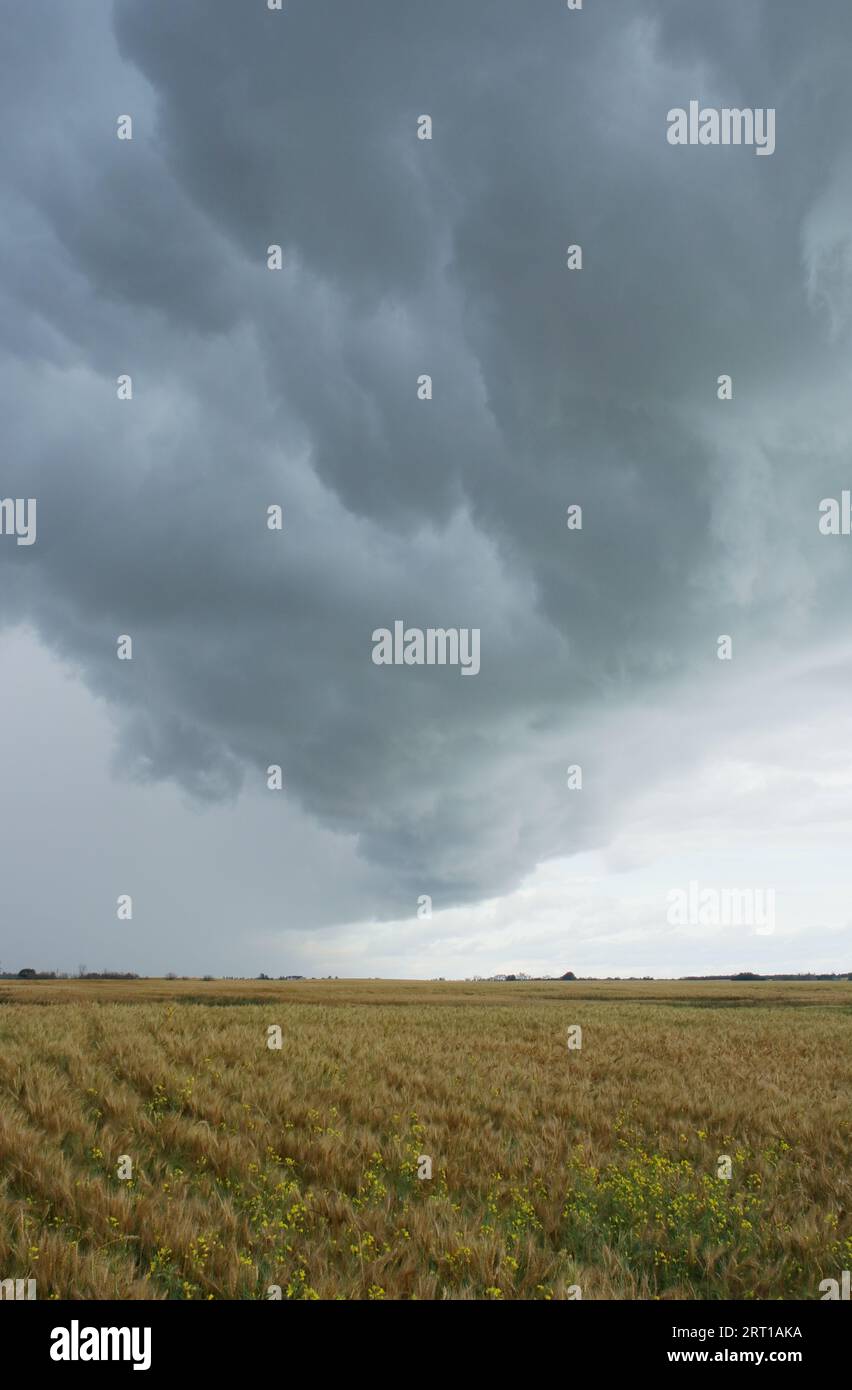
551, 387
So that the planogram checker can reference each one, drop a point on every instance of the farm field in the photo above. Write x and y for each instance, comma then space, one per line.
554, 1170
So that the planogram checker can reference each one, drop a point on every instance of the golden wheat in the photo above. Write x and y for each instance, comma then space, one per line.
554, 1170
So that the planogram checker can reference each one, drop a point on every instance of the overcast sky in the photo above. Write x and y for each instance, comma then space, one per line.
551, 387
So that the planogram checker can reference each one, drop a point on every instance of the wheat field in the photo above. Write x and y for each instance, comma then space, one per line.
154, 1146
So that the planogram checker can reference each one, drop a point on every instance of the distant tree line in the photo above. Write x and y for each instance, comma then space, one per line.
29, 974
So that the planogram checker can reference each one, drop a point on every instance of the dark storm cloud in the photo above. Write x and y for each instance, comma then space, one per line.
402, 257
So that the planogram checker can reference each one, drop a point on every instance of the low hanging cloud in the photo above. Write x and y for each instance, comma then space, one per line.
551, 387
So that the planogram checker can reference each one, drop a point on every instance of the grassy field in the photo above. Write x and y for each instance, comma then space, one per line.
553, 1168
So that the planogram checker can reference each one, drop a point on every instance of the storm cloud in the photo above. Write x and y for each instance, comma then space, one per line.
552, 387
